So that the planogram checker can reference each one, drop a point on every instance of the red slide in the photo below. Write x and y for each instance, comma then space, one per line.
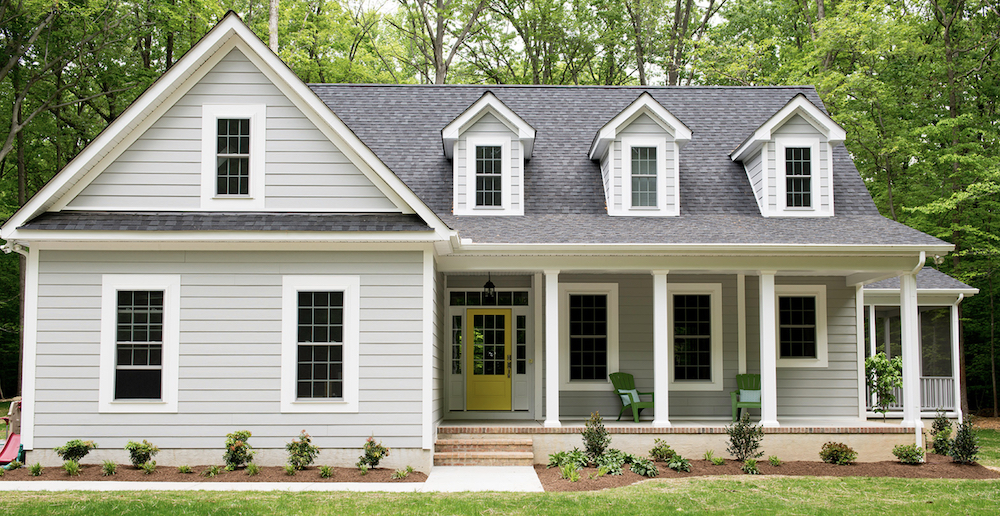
11, 449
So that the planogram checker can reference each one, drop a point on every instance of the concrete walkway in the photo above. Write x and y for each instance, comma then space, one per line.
449, 479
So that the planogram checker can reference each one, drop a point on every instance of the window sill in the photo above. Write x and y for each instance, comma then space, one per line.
802, 362
138, 407
232, 197
586, 385
694, 385
320, 406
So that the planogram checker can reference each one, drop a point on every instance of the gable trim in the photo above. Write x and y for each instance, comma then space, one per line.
488, 103
644, 104
799, 105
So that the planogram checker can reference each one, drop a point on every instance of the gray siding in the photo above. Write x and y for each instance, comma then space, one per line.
799, 127
755, 173
643, 127
162, 169
488, 126
230, 346
439, 346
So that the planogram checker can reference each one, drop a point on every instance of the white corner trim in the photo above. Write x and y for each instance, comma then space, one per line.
170, 284
30, 330
714, 290
819, 292
565, 290
816, 179
663, 168
351, 287
427, 361
257, 113
488, 103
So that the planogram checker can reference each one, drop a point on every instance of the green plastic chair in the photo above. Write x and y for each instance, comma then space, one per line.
748, 395
625, 389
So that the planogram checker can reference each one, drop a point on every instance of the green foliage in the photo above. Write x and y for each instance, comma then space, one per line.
941, 429
612, 461
576, 457
908, 454
187, 469
601, 471
141, 453
373, 453
965, 448
72, 468
325, 471
749, 467
595, 436
837, 453
211, 471
109, 468
301, 451
35, 469
238, 450
717, 461
253, 470
400, 474
661, 451
678, 463
290, 470
708, 455
75, 449
569, 472
744, 439
148, 468
15, 464
363, 468
883, 375
774, 461
644, 467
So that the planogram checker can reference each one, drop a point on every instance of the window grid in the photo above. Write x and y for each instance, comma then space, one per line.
588, 336
475, 298
489, 168
692, 337
644, 176
489, 343
522, 344
798, 177
320, 362
139, 344
797, 326
233, 157
456, 344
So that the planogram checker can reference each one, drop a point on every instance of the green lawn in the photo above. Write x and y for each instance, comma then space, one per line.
989, 447
4, 405
739, 495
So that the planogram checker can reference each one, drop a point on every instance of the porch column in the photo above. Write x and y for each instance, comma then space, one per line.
910, 344
552, 348
661, 339
768, 351
956, 372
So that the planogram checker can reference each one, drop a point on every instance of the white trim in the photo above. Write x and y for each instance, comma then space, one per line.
565, 290
427, 361
860, 312
714, 291
505, 207
661, 352
170, 284
768, 350
822, 355
210, 200
799, 105
741, 322
30, 330
662, 168
488, 103
956, 372
644, 104
815, 181
351, 287
909, 343
552, 348
537, 308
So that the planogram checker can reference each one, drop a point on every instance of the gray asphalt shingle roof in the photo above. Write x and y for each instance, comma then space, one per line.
927, 278
190, 221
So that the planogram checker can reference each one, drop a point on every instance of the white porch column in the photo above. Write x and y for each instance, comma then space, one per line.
910, 344
552, 349
768, 351
956, 373
661, 339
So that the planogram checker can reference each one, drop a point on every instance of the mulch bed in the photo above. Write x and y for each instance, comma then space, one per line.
937, 466
170, 474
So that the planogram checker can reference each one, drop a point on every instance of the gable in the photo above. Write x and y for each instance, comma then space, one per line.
303, 169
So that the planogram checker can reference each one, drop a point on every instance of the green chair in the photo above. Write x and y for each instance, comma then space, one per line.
748, 395
625, 389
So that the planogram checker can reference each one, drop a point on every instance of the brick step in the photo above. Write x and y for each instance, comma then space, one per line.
483, 445
484, 458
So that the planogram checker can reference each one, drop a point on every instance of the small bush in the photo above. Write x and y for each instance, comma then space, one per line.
837, 453
661, 451
612, 461
15, 464
718, 461
141, 453
774, 461
72, 468
569, 472
941, 429
645, 467
678, 463
238, 450
363, 468
2, 471
184, 469
744, 439
325, 471
301, 451
908, 454
109, 468
290, 470
941, 423
749, 467
576, 457
965, 447
373, 453
601, 471
708, 455
211, 472
35, 469
148, 468
253, 470
75, 449
400, 474
595, 437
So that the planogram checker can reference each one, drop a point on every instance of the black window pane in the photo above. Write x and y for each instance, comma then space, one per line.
797, 326
320, 371
489, 166
137, 383
588, 355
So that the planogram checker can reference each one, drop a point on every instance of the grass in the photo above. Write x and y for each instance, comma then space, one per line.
4, 405
736, 495
989, 447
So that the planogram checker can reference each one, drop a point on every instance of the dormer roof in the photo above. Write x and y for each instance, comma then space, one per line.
488, 103
644, 104
799, 105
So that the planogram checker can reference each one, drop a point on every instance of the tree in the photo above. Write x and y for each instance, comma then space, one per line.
437, 30
883, 376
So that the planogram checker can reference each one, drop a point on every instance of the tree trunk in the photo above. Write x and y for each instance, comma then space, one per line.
22, 196
640, 51
272, 27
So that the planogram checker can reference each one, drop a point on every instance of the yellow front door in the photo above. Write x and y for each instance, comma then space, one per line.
488, 378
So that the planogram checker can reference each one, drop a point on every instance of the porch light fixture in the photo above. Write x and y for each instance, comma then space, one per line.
489, 289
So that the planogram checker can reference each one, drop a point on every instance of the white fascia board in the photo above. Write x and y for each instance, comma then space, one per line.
488, 103
645, 104
721, 248
799, 105
41, 236
967, 292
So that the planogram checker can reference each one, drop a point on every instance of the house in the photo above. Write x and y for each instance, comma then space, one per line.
240, 250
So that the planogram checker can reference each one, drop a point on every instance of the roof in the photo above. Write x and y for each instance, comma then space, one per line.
564, 194
927, 279
218, 221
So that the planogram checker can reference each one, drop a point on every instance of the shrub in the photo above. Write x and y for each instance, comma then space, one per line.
678, 463
109, 468
718, 461
373, 453
965, 447
708, 455
75, 449
576, 457
72, 468
141, 453
661, 451
744, 439
941, 429
882, 376
35, 469
601, 471
253, 470
15, 464
908, 454
400, 474
774, 461
211, 472
184, 469
290, 470
148, 467
363, 468
2, 471
569, 472
749, 467
238, 450
837, 453
325, 471
644, 467
301, 451
595, 436
612, 461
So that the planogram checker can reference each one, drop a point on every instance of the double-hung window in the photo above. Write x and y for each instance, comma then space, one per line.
798, 177
489, 176
233, 157
588, 335
139, 345
644, 177
233, 153
694, 313
801, 325
320, 361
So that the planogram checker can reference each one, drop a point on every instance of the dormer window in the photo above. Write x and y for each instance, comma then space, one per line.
489, 176
233, 157
644, 177
798, 177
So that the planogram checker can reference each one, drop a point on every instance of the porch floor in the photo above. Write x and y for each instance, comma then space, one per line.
678, 426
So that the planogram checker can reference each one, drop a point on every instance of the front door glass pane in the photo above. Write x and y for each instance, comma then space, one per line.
488, 345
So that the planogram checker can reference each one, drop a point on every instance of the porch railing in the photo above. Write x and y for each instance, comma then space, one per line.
936, 392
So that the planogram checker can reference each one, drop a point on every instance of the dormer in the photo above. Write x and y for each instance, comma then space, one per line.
639, 150
488, 145
789, 161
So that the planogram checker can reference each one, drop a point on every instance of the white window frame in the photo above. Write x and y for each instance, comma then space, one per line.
470, 176
170, 284
819, 292
210, 114
290, 287
815, 169
565, 290
714, 290
628, 142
